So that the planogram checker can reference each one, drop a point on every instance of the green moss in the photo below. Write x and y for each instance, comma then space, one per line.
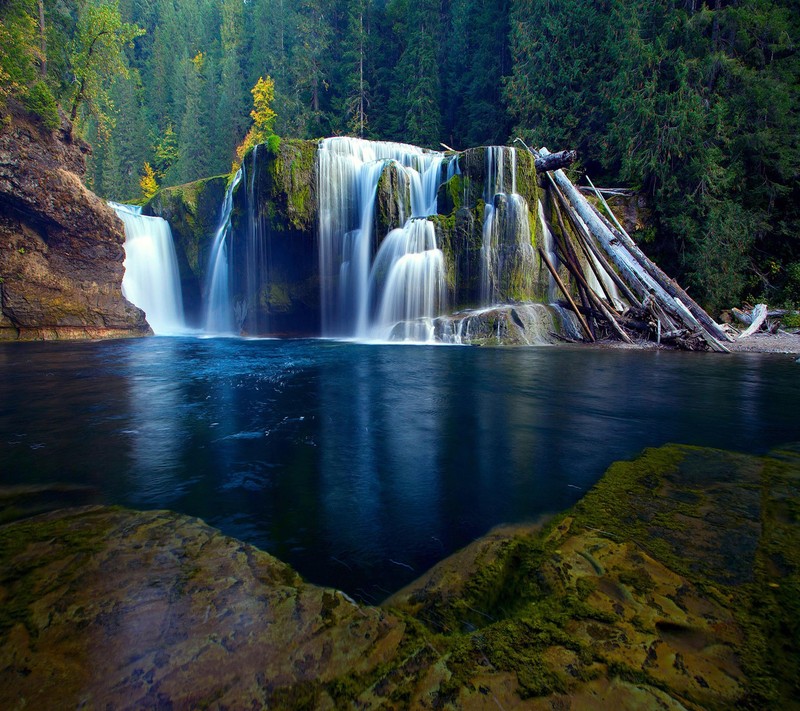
289, 189
26, 577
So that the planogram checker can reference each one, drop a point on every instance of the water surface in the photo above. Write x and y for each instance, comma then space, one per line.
363, 465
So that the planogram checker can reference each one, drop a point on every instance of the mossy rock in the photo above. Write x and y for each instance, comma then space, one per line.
287, 179
641, 596
193, 213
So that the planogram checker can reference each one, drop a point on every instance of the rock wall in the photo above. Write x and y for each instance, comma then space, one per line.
61, 247
193, 213
275, 253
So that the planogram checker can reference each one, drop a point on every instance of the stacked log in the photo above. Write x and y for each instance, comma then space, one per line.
656, 306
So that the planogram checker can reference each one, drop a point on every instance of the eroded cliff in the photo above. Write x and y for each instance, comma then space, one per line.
61, 246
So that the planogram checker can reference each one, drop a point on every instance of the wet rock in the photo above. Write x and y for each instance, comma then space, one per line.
111, 608
635, 598
518, 324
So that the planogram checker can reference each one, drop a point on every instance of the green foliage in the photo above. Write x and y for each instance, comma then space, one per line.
694, 103
18, 51
96, 57
166, 151
274, 144
39, 100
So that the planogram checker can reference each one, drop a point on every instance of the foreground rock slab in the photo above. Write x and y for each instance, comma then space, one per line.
672, 584
113, 609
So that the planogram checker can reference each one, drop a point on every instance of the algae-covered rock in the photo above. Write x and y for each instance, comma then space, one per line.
114, 609
672, 584
392, 202
525, 324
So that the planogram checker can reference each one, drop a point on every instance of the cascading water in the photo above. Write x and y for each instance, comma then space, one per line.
505, 220
151, 281
411, 269
219, 318
364, 296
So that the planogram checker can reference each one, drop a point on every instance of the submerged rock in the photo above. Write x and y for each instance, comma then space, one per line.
524, 324
61, 247
672, 585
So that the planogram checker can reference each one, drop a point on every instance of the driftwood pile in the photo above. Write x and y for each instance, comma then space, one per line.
757, 318
635, 300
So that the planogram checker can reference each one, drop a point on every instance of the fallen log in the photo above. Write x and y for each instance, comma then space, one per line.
743, 316
759, 315
638, 276
588, 247
566, 293
555, 161
663, 280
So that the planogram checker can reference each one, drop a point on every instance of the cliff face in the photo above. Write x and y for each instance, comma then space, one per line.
61, 247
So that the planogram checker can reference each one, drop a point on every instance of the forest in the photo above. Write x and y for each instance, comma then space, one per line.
693, 104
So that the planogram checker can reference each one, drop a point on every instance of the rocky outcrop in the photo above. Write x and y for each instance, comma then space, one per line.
671, 585
193, 213
275, 252
509, 325
61, 247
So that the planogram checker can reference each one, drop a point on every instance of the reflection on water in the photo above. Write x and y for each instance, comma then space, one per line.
363, 465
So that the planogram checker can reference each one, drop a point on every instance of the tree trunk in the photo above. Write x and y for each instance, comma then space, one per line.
42, 41
554, 161
759, 316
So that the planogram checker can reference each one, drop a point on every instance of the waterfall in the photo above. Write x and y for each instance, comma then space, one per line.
411, 269
508, 260
364, 285
219, 318
151, 280
497, 186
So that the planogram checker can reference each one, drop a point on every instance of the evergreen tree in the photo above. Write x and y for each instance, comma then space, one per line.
195, 156
415, 100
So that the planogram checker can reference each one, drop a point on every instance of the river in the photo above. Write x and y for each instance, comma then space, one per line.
363, 465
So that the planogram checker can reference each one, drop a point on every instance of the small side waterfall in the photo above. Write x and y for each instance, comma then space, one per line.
151, 281
219, 317
508, 261
368, 283
409, 281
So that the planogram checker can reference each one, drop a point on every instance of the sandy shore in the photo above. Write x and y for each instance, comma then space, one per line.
768, 343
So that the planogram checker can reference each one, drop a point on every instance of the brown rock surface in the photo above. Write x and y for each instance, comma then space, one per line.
117, 609
61, 247
671, 585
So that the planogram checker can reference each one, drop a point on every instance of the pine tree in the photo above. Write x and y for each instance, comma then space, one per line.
194, 142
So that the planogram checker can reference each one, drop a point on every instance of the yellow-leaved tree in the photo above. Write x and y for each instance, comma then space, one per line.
263, 118
148, 183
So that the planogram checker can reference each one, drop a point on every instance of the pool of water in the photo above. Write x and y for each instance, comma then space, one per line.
363, 465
